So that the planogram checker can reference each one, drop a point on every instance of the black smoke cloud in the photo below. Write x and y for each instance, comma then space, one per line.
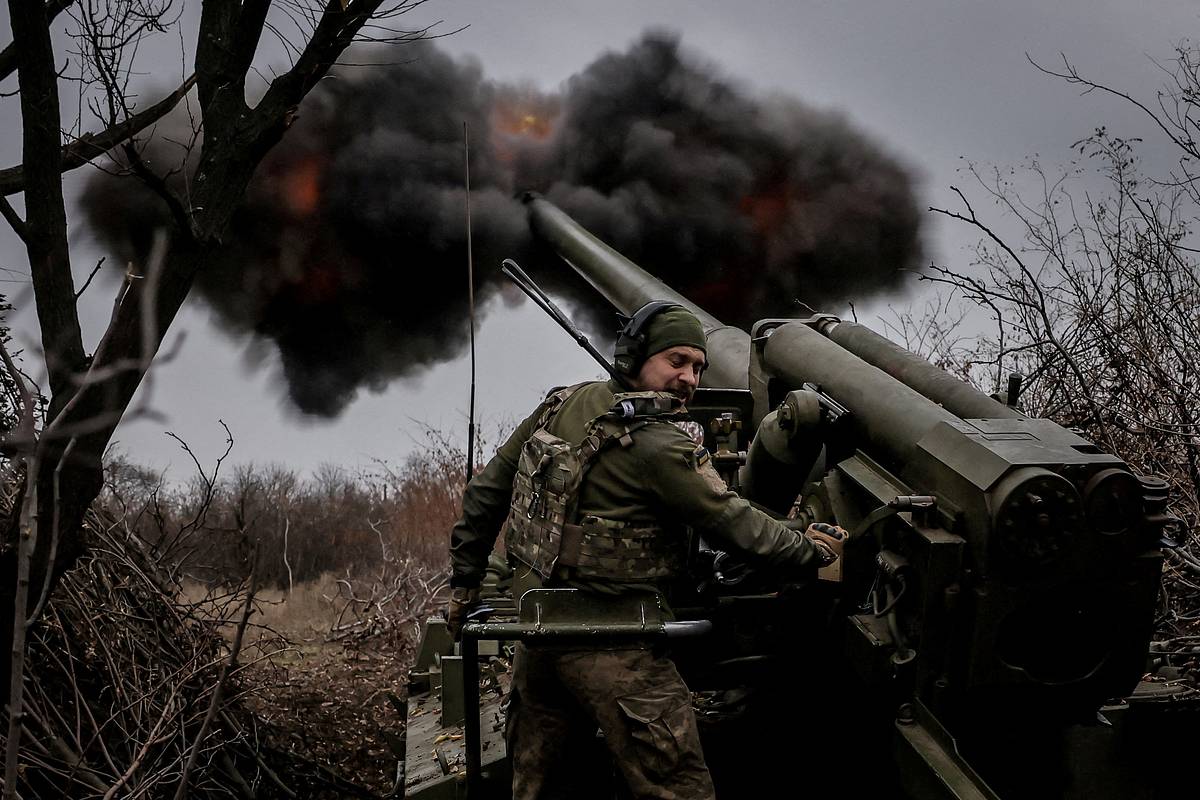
349, 251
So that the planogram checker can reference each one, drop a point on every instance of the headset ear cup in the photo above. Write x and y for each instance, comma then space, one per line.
626, 354
630, 350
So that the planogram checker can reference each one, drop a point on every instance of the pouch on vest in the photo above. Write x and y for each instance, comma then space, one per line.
544, 491
543, 532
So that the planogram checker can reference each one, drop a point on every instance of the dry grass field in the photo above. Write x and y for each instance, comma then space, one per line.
328, 675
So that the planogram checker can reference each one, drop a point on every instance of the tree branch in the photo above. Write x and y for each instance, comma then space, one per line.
27, 447
246, 34
93, 145
9, 56
1071, 75
215, 701
45, 209
91, 275
339, 24
212, 51
13, 219
158, 185
1039, 307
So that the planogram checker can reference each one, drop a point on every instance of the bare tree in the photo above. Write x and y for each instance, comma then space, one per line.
1100, 310
128, 678
88, 393
1091, 277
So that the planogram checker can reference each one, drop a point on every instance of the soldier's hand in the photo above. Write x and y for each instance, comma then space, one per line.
461, 602
829, 539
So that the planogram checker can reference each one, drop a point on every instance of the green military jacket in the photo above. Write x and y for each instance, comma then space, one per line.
659, 479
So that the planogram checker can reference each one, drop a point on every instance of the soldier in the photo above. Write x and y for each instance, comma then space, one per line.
603, 486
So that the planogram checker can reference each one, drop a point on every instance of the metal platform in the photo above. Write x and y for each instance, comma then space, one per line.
434, 757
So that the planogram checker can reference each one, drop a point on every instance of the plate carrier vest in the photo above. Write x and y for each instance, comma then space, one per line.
543, 531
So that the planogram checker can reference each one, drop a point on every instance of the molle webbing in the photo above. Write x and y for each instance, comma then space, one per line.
553, 403
617, 551
542, 531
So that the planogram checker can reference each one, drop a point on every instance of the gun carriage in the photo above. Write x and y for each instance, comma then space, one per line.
994, 605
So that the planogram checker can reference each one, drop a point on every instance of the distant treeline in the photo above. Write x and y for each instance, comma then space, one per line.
338, 520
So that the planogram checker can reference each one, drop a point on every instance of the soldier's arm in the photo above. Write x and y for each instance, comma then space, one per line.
690, 490
485, 506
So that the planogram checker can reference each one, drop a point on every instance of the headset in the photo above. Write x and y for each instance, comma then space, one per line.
630, 350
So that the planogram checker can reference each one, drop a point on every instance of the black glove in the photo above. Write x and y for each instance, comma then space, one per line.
462, 601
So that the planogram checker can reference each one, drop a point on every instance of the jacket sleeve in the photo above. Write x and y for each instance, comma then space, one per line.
485, 506
689, 489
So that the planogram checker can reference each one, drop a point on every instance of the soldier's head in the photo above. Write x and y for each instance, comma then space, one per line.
663, 349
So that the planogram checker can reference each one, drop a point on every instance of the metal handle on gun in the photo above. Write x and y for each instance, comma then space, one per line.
534, 292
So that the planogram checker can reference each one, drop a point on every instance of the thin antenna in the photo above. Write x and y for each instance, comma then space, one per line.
471, 307
534, 292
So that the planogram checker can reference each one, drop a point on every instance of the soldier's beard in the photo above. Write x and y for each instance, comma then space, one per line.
684, 393
644, 382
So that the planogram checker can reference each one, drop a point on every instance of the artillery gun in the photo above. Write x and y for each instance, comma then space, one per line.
981, 638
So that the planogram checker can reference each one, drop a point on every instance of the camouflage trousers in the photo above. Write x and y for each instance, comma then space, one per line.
635, 697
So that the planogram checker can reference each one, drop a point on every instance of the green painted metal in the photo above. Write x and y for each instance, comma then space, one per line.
941, 387
887, 413
628, 287
1012, 565
453, 703
549, 616
937, 771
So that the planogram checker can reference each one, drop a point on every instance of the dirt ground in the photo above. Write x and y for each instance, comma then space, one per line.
330, 711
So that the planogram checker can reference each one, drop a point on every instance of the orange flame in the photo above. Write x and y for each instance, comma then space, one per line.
768, 210
521, 115
301, 187
520, 120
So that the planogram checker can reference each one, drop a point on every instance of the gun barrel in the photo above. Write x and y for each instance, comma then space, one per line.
956, 396
628, 287
893, 416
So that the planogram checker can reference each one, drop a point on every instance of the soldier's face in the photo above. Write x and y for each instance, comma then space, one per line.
675, 370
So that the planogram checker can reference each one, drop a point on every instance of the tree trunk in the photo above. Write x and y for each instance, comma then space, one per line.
88, 400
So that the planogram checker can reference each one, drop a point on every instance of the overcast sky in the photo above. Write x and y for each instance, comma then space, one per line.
934, 81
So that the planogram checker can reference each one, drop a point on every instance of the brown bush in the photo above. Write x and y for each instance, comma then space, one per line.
351, 524
125, 680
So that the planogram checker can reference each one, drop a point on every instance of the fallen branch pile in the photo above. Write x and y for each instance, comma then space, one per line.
120, 677
389, 606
